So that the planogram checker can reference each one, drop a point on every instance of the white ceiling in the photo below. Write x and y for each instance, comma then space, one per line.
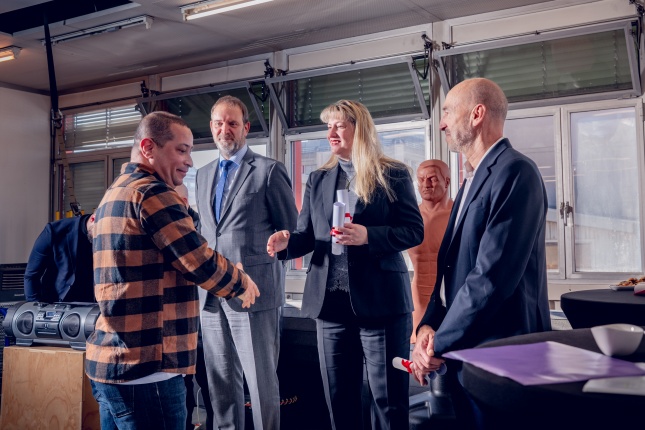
172, 43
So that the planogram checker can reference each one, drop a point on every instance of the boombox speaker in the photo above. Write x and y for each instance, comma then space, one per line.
60, 324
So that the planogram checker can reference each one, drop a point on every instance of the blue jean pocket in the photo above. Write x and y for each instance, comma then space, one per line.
117, 399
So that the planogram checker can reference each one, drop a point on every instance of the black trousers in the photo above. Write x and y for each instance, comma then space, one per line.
342, 350
202, 382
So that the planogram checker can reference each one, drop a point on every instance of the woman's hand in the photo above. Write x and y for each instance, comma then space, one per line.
278, 242
352, 234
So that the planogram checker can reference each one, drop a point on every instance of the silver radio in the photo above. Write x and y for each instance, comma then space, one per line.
60, 324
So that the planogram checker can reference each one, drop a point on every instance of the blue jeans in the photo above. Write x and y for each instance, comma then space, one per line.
158, 405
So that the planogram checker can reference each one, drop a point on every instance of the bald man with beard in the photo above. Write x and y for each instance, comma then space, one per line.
433, 181
492, 259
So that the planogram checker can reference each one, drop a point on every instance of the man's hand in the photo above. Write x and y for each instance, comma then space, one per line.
424, 360
278, 242
251, 291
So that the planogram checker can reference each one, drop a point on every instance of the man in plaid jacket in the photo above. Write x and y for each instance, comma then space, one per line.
148, 259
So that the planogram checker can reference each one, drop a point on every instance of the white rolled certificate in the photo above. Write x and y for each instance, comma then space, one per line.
338, 220
342, 196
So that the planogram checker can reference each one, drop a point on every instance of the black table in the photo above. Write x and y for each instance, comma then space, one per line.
299, 374
553, 406
590, 308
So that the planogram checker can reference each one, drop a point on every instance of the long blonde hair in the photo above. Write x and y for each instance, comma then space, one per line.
367, 152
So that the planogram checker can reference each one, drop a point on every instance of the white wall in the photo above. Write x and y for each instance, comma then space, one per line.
222, 72
24, 172
378, 45
99, 95
538, 18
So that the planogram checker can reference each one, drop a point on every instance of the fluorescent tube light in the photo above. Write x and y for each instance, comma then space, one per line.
106, 28
9, 53
212, 7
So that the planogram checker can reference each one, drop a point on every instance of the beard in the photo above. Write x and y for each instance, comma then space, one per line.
461, 139
228, 148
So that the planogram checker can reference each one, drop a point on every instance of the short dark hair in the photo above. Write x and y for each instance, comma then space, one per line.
233, 101
157, 126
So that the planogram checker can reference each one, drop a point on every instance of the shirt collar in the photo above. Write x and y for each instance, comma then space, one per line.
134, 168
470, 171
237, 157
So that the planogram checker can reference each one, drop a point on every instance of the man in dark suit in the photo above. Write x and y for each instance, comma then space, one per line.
243, 198
492, 257
60, 263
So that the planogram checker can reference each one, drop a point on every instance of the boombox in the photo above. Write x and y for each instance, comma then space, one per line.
60, 324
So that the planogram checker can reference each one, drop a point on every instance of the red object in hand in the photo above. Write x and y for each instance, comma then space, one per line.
402, 364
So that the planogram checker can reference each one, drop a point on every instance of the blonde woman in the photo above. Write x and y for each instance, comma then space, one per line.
359, 297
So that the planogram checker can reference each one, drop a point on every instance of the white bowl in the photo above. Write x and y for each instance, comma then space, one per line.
617, 339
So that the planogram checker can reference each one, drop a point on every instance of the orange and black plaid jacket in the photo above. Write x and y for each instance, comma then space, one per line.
148, 259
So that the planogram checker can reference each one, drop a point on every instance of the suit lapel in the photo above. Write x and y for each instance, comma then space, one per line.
450, 229
246, 166
209, 189
329, 192
481, 176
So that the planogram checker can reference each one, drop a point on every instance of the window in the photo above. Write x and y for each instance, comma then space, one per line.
91, 175
89, 186
604, 223
405, 142
194, 106
389, 88
106, 128
583, 64
591, 158
536, 138
117, 164
97, 143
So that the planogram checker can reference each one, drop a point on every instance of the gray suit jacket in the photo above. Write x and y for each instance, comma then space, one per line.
259, 202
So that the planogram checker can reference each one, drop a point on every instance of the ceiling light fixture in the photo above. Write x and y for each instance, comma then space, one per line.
9, 53
100, 29
212, 7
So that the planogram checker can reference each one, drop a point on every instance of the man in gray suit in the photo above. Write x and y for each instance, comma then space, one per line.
242, 199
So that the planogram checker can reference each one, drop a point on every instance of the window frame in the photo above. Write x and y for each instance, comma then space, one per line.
82, 110
107, 156
625, 25
566, 112
565, 190
330, 70
555, 112
141, 102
